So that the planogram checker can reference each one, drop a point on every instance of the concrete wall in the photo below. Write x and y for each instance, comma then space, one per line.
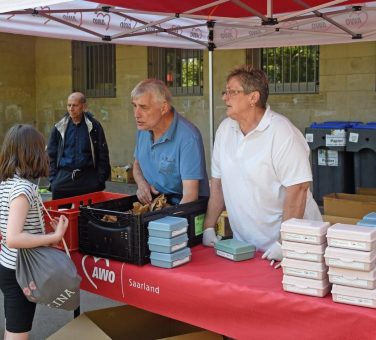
36, 78
53, 81
347, 87
17, 81
116, 114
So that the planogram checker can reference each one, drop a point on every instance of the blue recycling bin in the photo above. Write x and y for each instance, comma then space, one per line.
361, 142
332, 166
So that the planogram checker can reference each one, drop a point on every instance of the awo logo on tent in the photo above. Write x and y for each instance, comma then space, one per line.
356, 19
196, 33
98, 273
229, 33
102, 20
74, 18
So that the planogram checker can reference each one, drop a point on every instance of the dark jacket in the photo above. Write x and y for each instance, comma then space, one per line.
99, 148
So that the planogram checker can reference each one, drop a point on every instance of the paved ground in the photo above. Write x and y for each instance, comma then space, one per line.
47, 321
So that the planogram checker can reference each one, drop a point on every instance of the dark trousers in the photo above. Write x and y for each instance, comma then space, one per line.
19, 312
76, 182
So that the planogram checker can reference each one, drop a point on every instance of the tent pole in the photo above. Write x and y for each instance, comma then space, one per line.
211, 103
211, 48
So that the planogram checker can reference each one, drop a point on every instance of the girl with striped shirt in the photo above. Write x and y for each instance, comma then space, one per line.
22, 158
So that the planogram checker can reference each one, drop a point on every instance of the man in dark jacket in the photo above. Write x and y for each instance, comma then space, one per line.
78, 152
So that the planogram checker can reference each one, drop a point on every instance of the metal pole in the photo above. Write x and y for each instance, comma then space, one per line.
211, 48
211, 103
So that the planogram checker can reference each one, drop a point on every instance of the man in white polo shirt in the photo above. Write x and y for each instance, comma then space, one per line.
260, 167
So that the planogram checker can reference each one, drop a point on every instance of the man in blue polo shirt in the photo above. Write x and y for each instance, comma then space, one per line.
169, 153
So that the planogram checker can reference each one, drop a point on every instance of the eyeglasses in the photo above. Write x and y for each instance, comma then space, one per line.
231, 93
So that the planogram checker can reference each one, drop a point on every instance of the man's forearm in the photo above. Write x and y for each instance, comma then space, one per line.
137, 173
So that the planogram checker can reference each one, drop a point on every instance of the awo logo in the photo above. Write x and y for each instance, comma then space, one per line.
356, 19
99, 273
229, 33
73, 17
102, 20
103, 274
320, 26
196, 33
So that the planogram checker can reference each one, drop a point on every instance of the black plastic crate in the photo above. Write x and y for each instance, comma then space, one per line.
126, 239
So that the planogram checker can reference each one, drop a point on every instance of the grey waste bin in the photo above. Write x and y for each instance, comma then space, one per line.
361, 142
332, 166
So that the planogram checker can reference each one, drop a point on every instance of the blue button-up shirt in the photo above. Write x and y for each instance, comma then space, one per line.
178, 155
77, 149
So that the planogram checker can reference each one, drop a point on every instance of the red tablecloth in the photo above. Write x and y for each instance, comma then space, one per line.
243, 300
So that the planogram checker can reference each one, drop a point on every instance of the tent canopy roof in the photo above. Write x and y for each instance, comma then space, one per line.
215, 8
221, 24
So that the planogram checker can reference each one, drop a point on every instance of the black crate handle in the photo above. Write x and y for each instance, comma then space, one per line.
106, 212
178, 212
107, 229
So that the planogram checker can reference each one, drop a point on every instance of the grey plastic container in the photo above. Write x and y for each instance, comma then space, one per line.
173, 260
168, 227
362, 142
168, 245
235, 250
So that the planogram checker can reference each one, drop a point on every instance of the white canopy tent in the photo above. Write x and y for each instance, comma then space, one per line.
91, 21
192, 24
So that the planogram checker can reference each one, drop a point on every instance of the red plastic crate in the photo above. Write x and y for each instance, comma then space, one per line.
71, 235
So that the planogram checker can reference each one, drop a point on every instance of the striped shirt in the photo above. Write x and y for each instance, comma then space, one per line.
9, 190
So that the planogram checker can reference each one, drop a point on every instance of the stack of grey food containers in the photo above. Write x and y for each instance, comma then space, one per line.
168, 241
351, 257
303, 248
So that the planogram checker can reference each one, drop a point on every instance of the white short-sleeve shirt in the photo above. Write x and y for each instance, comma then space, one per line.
255, 170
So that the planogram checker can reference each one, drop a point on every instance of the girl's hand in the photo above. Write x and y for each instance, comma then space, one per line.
61, 226
54, 222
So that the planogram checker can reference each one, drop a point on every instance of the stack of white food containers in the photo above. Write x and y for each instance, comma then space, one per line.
351, 257
168, 241
303, 248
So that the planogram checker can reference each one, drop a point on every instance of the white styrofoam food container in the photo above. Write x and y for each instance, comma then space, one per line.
303, 251
168, 227
350, 259
352, 237
307, 269
305, 286
353, 278
304, 231
354, 296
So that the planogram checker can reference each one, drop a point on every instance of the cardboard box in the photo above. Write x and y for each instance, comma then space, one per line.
127, 322
366, 191
339, 219
349, 205
122, 174
223, 225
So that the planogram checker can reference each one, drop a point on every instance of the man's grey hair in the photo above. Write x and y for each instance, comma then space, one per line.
80, 95
157, 87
